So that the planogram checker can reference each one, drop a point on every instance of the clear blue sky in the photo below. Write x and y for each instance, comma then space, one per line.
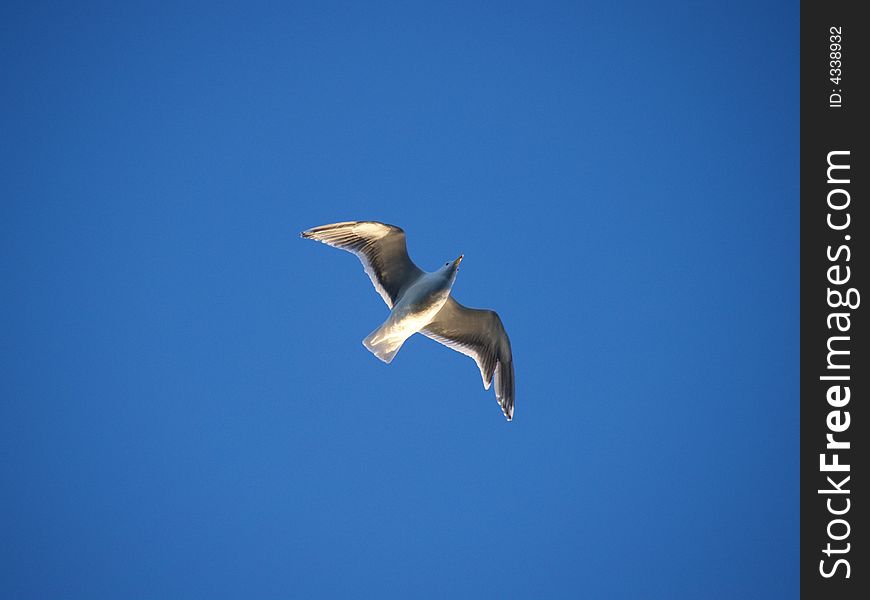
187, 410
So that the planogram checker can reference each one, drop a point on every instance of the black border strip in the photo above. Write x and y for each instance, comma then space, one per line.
834, 260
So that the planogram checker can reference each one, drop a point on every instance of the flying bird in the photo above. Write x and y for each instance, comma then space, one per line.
421, 302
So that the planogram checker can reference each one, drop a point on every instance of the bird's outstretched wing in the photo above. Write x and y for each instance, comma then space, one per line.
380, 247
480, 335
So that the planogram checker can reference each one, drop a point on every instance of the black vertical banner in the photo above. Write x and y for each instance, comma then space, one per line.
835, 299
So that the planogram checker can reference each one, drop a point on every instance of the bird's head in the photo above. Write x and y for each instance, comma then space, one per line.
452, 266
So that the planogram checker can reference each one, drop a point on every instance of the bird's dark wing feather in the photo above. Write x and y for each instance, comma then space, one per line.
480, 335
380, 247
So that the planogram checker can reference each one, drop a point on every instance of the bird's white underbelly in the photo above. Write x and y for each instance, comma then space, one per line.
404, 323
411, 315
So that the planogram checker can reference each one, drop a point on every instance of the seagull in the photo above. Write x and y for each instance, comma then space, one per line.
421, 302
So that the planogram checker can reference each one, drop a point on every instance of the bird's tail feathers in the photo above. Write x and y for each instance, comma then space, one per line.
383, 345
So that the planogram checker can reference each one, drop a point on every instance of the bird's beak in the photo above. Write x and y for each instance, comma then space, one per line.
458, 260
